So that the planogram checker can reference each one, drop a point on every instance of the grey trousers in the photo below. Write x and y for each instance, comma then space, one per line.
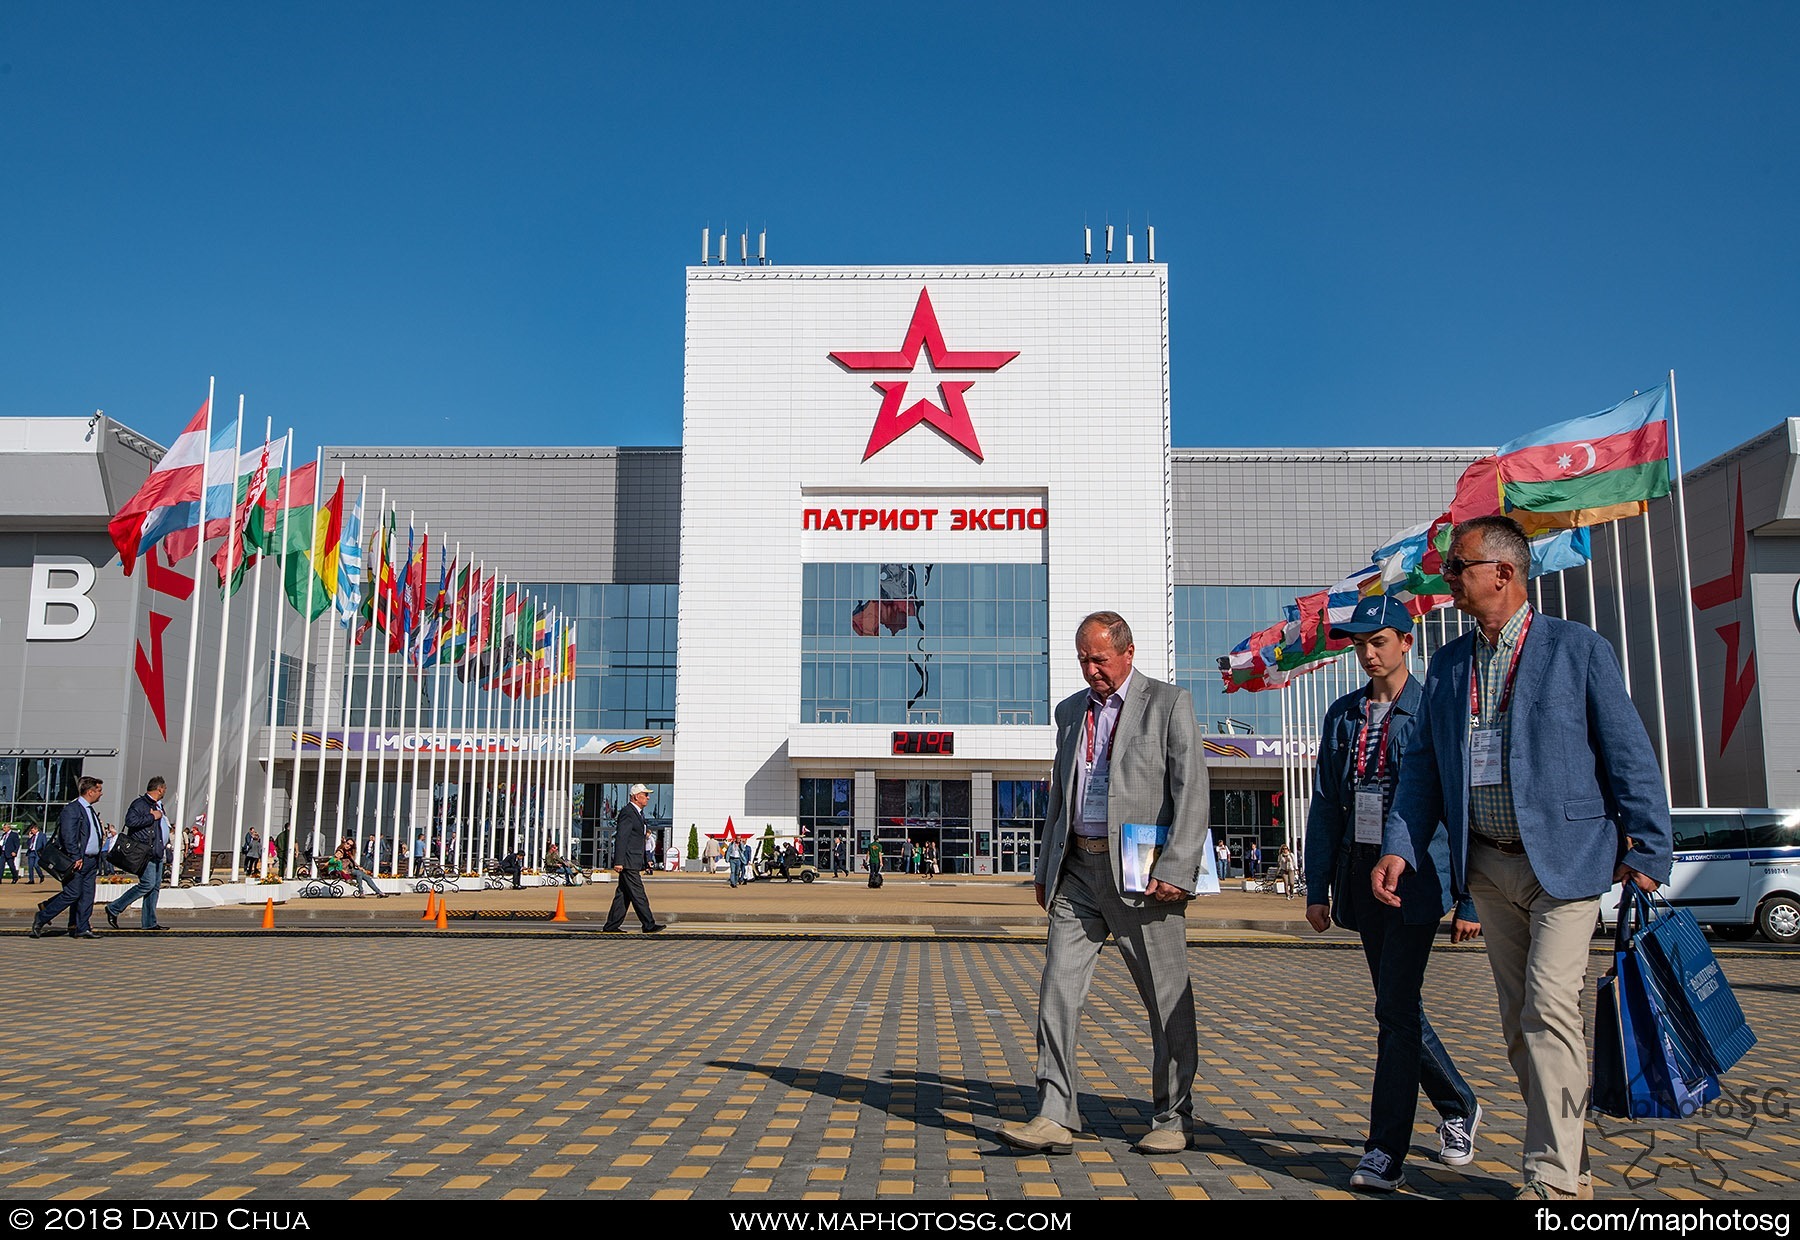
1153, 943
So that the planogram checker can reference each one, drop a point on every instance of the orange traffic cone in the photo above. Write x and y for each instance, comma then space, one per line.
430, 906
269, 914
443, 922
561, 914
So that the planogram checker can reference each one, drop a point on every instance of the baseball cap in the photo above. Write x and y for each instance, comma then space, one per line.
637, 788
1378, 611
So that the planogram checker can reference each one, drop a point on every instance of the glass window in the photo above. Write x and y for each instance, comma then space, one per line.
951, 642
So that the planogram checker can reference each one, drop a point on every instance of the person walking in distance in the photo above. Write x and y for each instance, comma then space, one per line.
144, 822
629, 861
78, 833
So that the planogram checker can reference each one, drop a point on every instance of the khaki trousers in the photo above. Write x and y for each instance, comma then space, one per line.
1537, 947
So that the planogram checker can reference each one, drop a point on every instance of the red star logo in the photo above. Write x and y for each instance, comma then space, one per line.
952, 417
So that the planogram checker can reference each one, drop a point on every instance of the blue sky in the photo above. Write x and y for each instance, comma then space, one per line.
466, 223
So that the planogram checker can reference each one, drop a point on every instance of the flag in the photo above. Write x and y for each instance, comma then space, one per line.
285, 493
348, 595
176, 479
1617, 456
383, 609
179, 523
237, 552
224, 501
312, 569
568, 672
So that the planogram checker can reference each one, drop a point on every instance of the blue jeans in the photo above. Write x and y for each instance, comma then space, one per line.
149, 886
737, 871
1408, 1053
362, 877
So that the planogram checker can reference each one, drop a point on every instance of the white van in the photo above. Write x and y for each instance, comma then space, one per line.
1736, 870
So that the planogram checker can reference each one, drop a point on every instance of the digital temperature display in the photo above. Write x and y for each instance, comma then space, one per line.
925, 743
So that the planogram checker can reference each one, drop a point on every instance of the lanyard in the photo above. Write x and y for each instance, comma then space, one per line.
1512, 672
1093, 727
1381, 743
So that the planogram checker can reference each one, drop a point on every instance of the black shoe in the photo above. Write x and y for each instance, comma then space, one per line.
83, 934
654, 928
612, 929
37, 928
112, 920
157, 926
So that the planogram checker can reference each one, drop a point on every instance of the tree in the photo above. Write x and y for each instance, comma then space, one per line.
768, 842
693, 853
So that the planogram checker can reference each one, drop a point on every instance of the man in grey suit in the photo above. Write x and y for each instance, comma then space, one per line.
1127, 751
1531, 754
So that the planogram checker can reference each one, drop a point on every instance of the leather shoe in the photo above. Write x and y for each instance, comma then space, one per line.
1162, 1141
612, 929
653, 929
83, 934
112, 920
157, 926
37, 928
1040, 1136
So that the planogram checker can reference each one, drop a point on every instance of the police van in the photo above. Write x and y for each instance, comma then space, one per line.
1736, 870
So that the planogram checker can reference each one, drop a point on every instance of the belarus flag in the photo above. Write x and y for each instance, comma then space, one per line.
1617, 456
175, 481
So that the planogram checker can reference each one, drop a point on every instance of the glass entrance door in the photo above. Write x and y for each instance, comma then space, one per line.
1016, 851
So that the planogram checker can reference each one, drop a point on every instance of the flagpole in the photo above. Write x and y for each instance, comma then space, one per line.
218, 725
1662, 709
370, 728
305, 655
1619, 597
416, 644
243, 765
1687, 597
348, 622
468, 767
439, 705
325, 679
387, 677
491, 784
454, 841
1593, 602
193, 650
282, 497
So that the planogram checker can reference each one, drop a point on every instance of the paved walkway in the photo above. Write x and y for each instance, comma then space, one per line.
356, 1053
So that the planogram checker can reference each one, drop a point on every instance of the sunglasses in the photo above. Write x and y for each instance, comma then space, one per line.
1456, 566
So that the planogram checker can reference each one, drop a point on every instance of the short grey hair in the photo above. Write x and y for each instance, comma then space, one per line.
1502, 538
1118, 633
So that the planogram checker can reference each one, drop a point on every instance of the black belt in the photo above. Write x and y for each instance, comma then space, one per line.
1510, 848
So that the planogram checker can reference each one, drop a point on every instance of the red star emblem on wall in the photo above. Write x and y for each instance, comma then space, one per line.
951, 418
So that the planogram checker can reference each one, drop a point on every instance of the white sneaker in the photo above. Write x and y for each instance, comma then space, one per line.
1456, 1139
1377, 1173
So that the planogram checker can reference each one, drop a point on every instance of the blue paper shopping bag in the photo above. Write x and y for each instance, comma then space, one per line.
1643, 1066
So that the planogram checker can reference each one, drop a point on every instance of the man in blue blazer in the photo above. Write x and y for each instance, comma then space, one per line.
1530, 752
78, 832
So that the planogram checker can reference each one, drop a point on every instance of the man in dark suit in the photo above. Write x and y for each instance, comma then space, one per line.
149, 833
1128, 750
78, 832
629, 861
1530, 752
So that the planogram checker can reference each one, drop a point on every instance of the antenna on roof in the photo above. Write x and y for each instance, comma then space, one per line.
744, 248
1109, 243
722, 247
762, 247
705, 245
1150, 242
1087, 244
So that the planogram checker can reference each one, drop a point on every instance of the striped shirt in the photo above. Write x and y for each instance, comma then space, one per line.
1491, 809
